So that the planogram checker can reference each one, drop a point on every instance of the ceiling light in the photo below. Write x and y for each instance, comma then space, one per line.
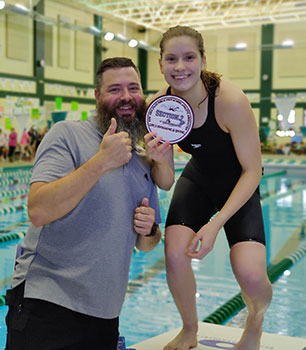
288, 43
109, 36
133, 43
241, 46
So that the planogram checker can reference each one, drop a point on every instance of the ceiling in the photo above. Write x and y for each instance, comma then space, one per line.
200, 14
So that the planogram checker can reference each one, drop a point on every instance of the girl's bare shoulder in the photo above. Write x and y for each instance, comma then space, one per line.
228, 90
232, 106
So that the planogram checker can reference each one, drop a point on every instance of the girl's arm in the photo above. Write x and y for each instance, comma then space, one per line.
161, 154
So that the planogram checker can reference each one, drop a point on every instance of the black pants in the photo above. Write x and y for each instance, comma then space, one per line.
40, 325
11, 152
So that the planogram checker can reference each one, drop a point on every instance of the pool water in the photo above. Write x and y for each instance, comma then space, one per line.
149, 309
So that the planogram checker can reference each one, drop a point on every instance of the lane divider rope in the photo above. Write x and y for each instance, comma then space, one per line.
235, 304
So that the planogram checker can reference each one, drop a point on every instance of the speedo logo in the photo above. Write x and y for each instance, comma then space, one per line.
196, 145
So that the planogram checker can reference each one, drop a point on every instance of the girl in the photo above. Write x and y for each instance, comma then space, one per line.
222, 177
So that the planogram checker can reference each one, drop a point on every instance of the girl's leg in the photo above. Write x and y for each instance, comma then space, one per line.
182, 285
249, 266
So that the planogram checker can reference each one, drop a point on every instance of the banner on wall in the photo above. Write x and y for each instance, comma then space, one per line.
35, 113
74, 105
58, 103
84, 115
73, 115
7, 124
18, 112
303, 130
58, 116
22, 122
284, 105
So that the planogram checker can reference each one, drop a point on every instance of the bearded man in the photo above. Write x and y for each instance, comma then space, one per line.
91, 201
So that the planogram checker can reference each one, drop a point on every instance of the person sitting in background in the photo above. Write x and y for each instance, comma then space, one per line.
280, 149
91, 200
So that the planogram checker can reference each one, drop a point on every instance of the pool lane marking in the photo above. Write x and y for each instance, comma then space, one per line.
291, 245
143, 278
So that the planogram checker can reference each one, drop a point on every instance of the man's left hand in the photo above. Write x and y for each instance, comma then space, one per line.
144, 218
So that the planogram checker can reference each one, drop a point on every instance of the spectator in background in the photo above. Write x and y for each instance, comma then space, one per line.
41, 135
24, 145
12, 144
6, 146
34, 140
2, 144
280, 149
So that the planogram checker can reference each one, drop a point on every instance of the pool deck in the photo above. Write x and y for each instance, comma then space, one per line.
211, 336
269, 160
15, 165
276, 161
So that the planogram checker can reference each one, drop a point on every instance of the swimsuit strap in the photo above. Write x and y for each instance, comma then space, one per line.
211, 107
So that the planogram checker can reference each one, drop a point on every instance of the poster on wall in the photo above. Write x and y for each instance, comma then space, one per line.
19, 110
15, 105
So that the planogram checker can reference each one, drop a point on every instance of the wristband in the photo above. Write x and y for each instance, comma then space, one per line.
153, 231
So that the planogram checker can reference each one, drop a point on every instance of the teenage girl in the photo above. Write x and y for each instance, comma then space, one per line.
222, 177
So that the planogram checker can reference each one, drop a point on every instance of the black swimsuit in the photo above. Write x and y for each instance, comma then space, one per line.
208, 180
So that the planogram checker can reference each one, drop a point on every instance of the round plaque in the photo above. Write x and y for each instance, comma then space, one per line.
171, 117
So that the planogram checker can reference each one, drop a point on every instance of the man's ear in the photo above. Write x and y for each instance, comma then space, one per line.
96, 94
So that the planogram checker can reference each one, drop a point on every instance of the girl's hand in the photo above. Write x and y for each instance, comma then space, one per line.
155, 149
206, 236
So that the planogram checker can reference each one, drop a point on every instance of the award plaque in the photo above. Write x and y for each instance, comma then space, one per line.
171, 117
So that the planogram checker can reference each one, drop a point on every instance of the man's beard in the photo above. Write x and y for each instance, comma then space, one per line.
135, 127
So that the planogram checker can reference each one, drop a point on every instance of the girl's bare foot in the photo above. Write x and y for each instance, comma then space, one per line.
185, 340
250, 339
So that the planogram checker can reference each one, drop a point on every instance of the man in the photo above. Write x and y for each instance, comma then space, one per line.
91, 201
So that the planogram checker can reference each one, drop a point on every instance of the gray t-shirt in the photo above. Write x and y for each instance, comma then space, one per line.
81, 261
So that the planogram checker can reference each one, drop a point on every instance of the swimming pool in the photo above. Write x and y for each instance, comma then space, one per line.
149, 309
